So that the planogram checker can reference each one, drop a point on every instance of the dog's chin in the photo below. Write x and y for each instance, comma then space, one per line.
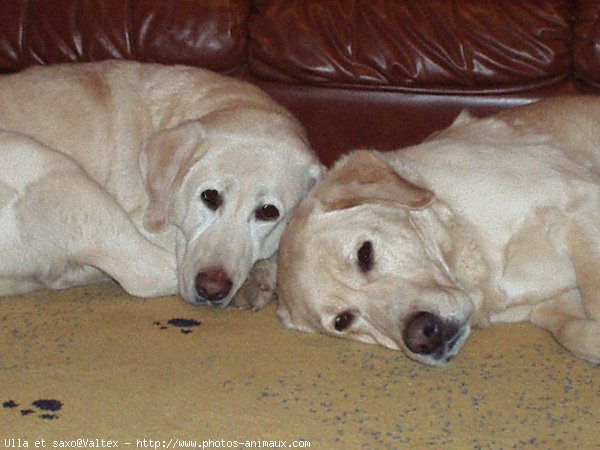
191, 297
198, 301
446, 353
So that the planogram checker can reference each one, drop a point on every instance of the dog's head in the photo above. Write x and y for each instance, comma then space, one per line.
226, 183
354, 264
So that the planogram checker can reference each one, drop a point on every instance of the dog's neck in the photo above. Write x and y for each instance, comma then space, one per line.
453, 243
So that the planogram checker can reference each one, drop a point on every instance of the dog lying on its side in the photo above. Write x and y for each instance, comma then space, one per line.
491, 220
167, 178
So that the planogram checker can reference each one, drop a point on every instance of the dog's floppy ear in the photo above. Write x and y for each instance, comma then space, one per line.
363, 178
315, 174
164, 161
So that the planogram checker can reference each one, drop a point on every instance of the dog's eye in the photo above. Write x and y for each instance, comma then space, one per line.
212, 199
343, 320
365, 256
267, 213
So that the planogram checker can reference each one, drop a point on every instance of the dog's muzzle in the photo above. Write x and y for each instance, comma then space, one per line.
213, 286
432, 338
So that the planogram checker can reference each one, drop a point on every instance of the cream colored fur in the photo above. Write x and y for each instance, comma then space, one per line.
103, 166
491, 220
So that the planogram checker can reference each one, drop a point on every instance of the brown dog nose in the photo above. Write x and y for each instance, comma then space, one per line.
213, 285
426, 333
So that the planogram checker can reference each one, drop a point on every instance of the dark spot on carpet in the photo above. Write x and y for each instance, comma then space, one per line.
184, 323
46, 408
48, 404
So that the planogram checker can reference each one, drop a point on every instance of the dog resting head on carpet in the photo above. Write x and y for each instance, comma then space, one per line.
491, 220
199, 170
227, 188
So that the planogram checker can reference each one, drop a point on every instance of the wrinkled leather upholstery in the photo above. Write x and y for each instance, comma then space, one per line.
207, 33
422, 46
358, 73
586, 42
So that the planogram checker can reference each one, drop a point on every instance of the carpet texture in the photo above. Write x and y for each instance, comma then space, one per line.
94, 363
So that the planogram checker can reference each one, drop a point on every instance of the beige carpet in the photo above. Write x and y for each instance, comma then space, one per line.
109, 367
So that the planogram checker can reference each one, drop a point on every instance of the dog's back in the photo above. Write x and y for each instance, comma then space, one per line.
571, 121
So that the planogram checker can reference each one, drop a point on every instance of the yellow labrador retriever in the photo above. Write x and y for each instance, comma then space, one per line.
167, 178
491, 220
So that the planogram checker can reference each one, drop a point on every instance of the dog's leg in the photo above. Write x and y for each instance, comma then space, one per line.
73, 222
15, 286
259, 288
565, 318
574, 318
582, 337
75, 276
140, 267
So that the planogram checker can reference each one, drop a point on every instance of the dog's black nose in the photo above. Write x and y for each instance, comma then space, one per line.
426, 333
213, 285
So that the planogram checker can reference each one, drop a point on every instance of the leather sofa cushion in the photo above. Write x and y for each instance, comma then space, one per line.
426, 45
207, 33
586, 41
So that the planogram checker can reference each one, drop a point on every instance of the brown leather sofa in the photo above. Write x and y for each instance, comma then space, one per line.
358, 73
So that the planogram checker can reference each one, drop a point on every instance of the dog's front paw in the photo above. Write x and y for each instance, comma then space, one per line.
259, 288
